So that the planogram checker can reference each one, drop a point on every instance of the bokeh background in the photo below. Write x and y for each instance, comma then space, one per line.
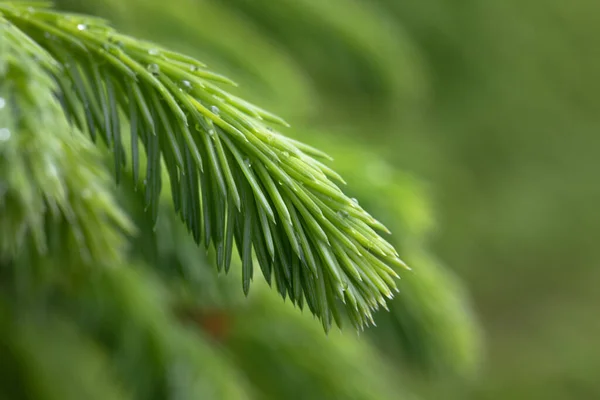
489, 110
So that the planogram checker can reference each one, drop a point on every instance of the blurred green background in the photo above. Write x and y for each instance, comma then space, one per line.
491, 106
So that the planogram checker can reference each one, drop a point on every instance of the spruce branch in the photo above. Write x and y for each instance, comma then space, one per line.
233, 179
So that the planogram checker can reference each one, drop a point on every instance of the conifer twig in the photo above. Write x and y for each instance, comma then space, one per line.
233, 179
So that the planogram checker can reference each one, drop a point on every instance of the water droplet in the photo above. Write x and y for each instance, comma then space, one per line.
215, 110
269, 129
2, 103
212, 132
285, 154
248, 163
355, 201
343, 214
4, 134
187, 85
154, 69
52, 170
193, 68
47, 35
153, 52
81, 27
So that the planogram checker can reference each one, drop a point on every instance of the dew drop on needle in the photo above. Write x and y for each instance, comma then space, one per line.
187, 85
154, 69
343, 214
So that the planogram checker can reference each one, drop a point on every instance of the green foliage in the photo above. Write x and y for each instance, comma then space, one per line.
68, 304
72, 367
269, 340
430, 324
232, 178
268, 73
154, 318
47, 206
508, 147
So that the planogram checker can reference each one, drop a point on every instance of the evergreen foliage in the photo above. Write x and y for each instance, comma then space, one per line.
105, 293
232, 178
505, 135
430, 324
